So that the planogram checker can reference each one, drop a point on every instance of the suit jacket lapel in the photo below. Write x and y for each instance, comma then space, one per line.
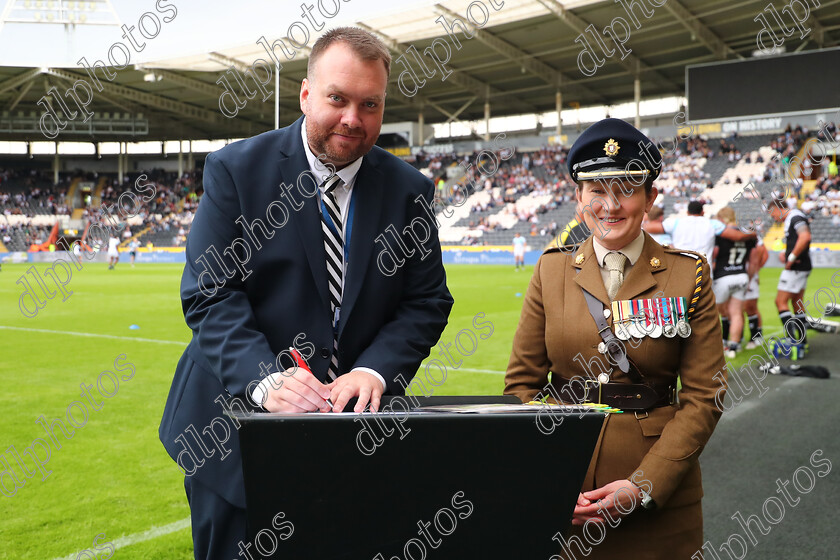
369, 191
641, 276
307, 220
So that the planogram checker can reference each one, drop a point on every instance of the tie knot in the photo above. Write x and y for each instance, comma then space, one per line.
331, 184
615, 261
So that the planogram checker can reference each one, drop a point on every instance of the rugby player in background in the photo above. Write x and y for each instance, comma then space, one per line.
758, 258
794, 278
731, 278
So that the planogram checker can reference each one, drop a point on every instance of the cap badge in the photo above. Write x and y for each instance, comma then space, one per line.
611, 147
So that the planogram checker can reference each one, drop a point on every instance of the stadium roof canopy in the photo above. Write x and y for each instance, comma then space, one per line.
517, 62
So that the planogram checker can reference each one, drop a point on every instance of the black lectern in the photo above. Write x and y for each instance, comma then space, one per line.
437, 485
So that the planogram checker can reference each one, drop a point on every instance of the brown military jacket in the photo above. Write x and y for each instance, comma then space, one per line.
557, 334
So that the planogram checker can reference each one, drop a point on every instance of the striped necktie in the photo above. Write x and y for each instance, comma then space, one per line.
334, 246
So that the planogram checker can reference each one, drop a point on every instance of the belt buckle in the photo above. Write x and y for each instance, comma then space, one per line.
586, 385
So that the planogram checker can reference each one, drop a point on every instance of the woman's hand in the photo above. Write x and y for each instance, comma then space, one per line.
608, 503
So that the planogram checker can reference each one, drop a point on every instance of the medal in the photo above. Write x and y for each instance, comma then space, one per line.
621, 331
683, 329
633, 329
642, 321
652, 317
668, 328
619, 321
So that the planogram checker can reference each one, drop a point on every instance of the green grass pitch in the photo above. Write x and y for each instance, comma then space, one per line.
113, 476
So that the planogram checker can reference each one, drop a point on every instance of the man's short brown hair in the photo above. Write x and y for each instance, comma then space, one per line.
365, 44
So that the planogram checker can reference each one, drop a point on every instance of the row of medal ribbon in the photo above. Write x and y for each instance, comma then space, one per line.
657, 317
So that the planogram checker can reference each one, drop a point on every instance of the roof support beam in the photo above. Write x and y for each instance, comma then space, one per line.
18, 80
528, 61
286, 84
190, 83
818, 30
122, 104
631, 62
23, 91
459, 77
148, 99
452, 116
699, 30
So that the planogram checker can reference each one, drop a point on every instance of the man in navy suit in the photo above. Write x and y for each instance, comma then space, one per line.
256, 280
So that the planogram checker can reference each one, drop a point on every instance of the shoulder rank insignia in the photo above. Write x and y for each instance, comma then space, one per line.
683, 252
579, 259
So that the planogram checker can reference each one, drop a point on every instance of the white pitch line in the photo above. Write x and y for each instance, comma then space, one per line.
94, 335
152, 533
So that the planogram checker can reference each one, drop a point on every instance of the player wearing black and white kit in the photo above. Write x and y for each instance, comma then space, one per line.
758, 258
730, 282
794, 277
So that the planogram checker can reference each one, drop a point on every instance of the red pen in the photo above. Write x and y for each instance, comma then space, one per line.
301, 363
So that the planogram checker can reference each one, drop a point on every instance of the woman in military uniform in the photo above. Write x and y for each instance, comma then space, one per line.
656, 312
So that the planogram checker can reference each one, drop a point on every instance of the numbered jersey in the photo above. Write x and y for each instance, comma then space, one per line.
732, 256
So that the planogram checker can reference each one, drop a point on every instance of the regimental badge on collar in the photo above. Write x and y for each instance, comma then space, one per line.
579, 259
655, 263
611, 148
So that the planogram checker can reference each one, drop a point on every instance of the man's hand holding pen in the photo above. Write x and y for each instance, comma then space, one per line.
297, 390
291, 391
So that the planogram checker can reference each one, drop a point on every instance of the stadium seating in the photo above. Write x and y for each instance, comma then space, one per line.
530, 193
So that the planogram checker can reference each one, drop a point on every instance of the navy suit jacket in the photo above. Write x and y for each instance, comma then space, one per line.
255, 209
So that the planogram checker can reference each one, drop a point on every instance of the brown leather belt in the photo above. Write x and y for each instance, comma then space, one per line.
626, 396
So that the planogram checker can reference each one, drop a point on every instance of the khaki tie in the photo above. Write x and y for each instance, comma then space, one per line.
615, 264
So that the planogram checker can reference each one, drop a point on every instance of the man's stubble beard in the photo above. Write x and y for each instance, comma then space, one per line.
317, 138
